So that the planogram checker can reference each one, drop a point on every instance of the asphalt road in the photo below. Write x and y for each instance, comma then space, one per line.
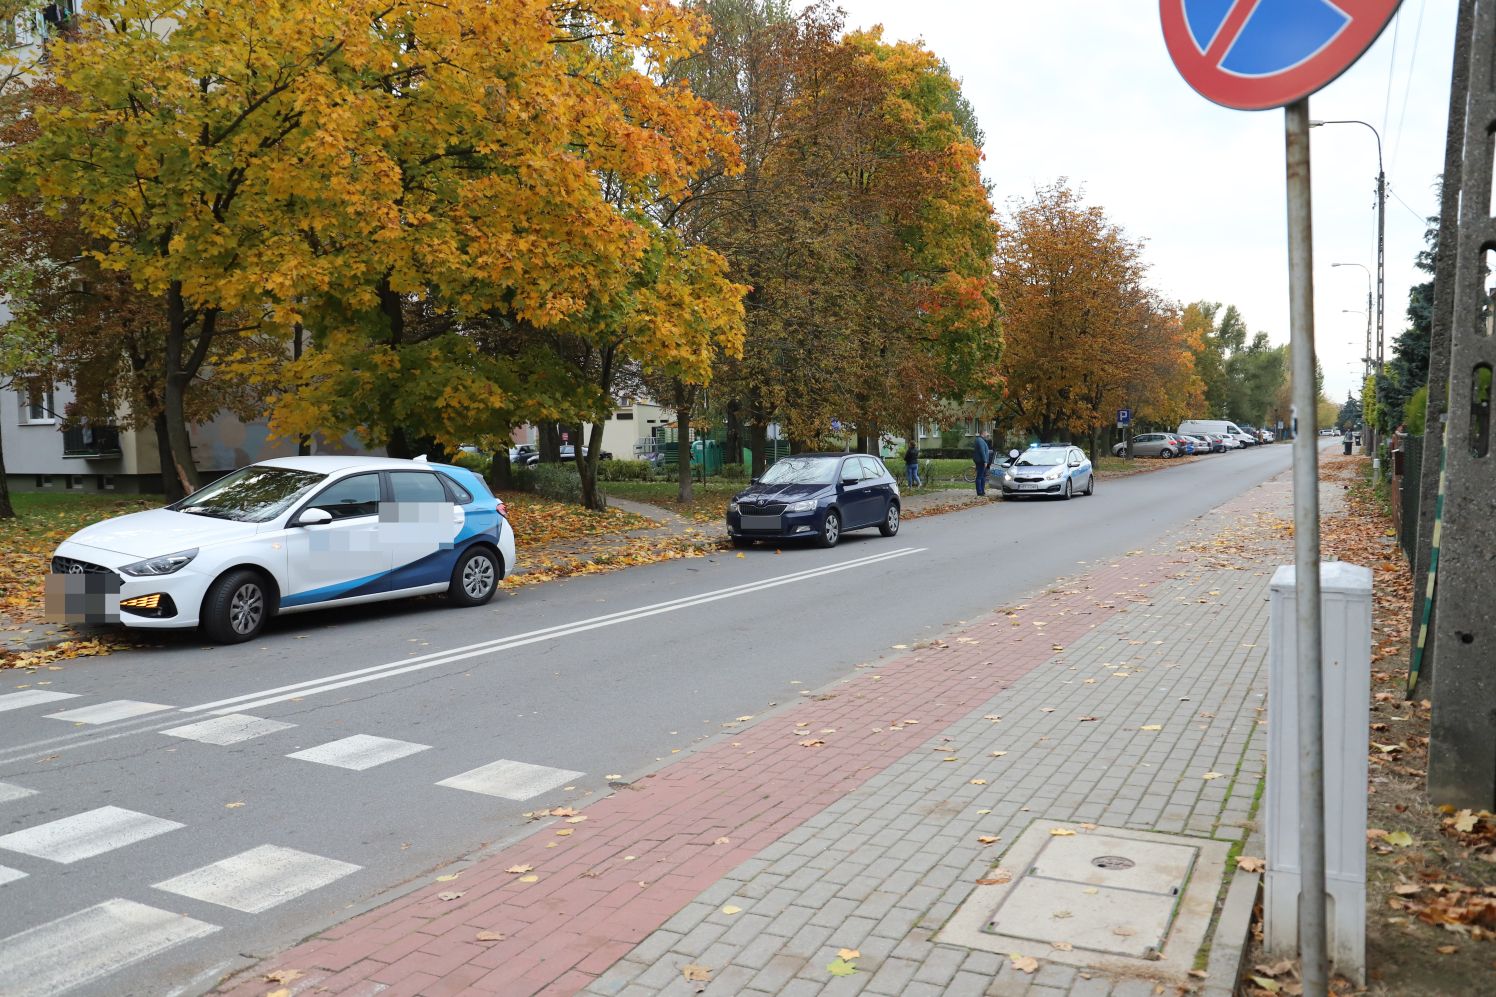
580, 680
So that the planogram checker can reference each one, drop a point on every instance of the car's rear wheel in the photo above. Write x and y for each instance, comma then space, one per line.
890, 524
1166, 453
475, 578
1091, 484
830, 530
236, 607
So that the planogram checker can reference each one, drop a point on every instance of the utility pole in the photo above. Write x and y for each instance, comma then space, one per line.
1371, 433
1365, 357
1442, 320
1462, 738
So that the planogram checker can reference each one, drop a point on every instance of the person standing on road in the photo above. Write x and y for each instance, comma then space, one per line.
911, 463
981, 456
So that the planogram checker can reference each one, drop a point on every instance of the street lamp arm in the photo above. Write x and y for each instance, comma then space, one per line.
1356, 121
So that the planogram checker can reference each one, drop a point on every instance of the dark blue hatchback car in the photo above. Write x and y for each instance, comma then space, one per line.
815, 497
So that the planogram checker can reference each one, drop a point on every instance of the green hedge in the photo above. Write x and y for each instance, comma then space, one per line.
625, 470
560, 482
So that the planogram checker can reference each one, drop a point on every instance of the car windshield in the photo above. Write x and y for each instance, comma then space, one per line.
801, 471
254, 494
1041, 458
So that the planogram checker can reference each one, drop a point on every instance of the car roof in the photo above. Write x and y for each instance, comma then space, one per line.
332, 463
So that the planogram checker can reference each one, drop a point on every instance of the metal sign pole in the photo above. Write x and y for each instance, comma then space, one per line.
1312, 913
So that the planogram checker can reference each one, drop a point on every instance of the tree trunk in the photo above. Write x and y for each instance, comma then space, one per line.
685, 400
733, 447
398, 444
587, 468
171, 485
549, 443
179, 373
7, 511
500, 473
758, 443
303, 442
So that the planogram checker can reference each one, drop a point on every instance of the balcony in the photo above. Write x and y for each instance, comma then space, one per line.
91, 442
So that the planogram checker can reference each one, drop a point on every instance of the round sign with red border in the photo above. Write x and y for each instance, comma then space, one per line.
1255, 54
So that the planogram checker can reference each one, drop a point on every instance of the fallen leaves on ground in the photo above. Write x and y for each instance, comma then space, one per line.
1024, 963
1250, 863
695, 973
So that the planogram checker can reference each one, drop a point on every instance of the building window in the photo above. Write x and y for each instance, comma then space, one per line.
623, 416
106, 482
37, 408
73, 481
44, 481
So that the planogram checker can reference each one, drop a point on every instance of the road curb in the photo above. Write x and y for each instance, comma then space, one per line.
1233, 929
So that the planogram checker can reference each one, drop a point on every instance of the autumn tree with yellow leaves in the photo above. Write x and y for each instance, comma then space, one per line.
1084, 335
448, 202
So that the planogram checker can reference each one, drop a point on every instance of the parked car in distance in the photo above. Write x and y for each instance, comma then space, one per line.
1221, 427
1150, 445
1198, 445
1055, 469
815, 497
285, 535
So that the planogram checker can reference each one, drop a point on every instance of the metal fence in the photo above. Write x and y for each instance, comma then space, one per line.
1412, 464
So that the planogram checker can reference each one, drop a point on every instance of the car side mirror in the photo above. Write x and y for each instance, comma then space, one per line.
314, 517
1075, 463
753, 481
850, 481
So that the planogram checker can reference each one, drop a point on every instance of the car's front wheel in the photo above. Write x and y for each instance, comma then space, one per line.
830, 529
475, 579
740, 543
236, 607
1069, 493
890, 524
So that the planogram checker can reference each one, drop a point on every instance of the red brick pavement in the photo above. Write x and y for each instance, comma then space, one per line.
591, 904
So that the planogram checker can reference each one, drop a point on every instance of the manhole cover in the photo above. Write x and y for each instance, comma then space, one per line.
1112, 862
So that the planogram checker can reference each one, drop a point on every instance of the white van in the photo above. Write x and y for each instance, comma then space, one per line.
1219, 427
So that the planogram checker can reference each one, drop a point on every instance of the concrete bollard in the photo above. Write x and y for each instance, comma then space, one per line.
1345, 592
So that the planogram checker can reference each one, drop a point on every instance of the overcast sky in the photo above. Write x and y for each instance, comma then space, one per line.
1084, 89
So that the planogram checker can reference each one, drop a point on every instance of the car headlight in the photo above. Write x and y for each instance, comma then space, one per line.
732, 506
1053, 472
164, 565
804, 505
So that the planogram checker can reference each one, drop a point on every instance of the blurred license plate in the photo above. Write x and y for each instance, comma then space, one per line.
760, 522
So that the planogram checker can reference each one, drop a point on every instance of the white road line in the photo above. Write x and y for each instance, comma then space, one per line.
231, 729
85, 835
10, 791
81, 948
259, 879
9, 875
31, 697
330, 683
359, 752
510, 780
105, 713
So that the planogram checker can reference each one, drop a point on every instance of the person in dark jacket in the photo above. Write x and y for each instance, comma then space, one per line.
981, 456
911, 464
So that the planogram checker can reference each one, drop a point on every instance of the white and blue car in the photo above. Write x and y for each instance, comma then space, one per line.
286, 535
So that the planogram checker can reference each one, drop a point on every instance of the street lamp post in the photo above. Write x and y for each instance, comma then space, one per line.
1381, 247
1366, 358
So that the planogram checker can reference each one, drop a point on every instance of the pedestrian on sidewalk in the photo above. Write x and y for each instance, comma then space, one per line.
981, 456
911, 463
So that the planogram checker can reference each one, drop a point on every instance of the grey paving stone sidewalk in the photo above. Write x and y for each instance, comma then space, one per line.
882, 869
